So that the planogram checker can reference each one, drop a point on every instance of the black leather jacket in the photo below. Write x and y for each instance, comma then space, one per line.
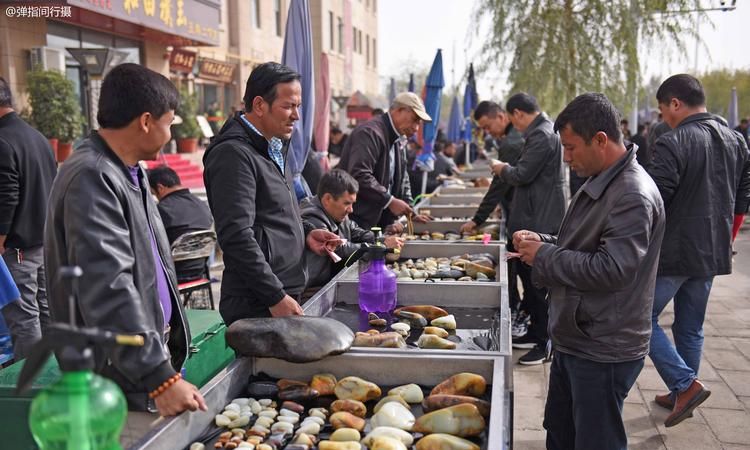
322, 268
538, 201
601, 268
702, 169
96, 220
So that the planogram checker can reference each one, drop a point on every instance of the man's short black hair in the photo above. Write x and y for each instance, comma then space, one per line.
522, 102
263, 80
335, 130
336, 182
487, 108
377, 112
624, 122
130, 90
441, 145
589, 114
742, 121
163, 175
6, 97
685, 88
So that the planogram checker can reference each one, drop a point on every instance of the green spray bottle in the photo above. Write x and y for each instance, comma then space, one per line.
81, 411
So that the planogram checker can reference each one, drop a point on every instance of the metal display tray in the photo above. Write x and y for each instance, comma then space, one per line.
439, 249
444, 225
456, 199
465, 211
461, 190
179, 432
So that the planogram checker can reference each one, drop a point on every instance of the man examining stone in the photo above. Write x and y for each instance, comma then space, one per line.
329, 210
375, 156
600, 270
249, 186
27, 168
538, 204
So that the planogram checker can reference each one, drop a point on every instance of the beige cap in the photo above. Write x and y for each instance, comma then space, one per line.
413, 101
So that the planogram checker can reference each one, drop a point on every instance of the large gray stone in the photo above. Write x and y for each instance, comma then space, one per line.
295, 339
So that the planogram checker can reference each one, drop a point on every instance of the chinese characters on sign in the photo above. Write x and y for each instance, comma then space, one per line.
212, 69
192, 19
181, 61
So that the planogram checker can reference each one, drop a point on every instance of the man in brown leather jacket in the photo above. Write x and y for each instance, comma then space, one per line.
600, 271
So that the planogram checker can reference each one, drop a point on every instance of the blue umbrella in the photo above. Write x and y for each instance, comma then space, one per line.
392, 91
8, 290
298, 55
411, 82
733, 116
470, 102
433, 92
454, 122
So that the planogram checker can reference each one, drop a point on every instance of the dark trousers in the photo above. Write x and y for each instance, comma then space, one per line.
584, 403
534, 303
29, 316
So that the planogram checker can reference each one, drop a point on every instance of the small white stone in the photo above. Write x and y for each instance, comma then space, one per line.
310, 428
272, 413
231, 414
288, 419
241, 401
255, 407
232, 407
222, 420
288, 412
265, 401
314, 419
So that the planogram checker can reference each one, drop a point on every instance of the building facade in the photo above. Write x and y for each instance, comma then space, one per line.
208, 46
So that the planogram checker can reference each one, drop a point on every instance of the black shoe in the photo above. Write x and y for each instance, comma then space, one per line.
525, 341
536, 355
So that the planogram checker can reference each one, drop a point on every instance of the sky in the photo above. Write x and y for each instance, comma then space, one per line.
427, 25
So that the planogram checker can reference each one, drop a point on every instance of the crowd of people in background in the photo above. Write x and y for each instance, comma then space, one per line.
599, 258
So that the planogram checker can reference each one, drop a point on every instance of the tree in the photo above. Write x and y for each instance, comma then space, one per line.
718, 85
560, 48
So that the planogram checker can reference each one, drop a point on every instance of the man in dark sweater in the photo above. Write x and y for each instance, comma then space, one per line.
27, 168
181, 212
329, 210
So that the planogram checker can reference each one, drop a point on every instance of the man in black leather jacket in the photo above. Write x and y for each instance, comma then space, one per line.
329, 210
538, 204
102, 218
600, 270
702, 169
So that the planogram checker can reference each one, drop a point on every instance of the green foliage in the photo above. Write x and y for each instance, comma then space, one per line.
718, 85
187, 110
55, 110
558, 49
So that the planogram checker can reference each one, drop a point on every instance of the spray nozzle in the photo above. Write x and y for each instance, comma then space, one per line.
72, 343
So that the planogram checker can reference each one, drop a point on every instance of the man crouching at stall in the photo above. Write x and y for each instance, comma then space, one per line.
249, 185
600, 270
329, 210
102, 218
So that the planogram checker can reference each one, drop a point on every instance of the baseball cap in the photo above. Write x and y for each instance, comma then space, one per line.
413, 101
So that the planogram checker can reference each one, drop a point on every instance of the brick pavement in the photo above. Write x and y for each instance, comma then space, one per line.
722, 422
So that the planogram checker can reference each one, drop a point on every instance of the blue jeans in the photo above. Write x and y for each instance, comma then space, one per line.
678, 364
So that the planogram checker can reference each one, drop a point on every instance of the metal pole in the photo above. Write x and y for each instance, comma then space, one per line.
424, 183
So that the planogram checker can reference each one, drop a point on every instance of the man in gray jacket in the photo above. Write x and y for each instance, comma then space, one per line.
538, 204
600, 270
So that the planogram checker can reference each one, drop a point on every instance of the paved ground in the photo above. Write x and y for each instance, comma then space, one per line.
722, 422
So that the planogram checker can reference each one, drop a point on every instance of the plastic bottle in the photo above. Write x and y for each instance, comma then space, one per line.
82, 411
377, 284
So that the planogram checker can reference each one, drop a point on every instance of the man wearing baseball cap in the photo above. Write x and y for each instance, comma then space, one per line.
375, 155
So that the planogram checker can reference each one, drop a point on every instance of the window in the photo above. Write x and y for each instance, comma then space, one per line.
277, 16
331, 30
359, 41
341, 35
374, 6
367, 46
374, 53
354, 39
255, 13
